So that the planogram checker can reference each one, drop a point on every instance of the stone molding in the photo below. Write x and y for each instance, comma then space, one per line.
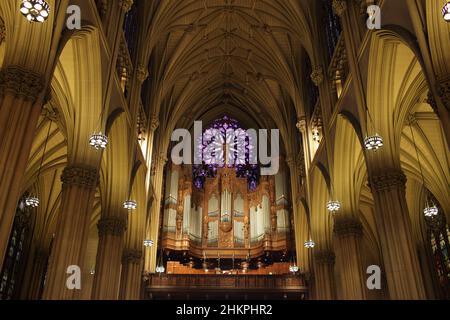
113, 226
317, 75
348, 226
132, 256
444, 93
80, 176
339, 7
388, 180
21, 82
326, 257
126, 5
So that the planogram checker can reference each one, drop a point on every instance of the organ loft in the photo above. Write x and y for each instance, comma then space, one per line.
225, 217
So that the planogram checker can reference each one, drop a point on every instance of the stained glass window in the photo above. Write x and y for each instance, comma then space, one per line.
332, 26
226, 143
12, 264
439, 234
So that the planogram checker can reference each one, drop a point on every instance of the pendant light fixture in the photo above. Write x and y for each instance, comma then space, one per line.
98, 141
32, 201
310, 244
35, 10
148, 243
373, 141
446, 11
431, 209
130, 205
333, 206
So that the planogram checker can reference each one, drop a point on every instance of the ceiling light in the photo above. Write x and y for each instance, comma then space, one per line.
31, 202
148, 243
98, 141
333, 206
160, 269
431, 211
130, 205
374, 142
35, 10
446, 12
310, 244
293, 268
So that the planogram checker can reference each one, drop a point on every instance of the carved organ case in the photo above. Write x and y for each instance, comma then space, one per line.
225, 218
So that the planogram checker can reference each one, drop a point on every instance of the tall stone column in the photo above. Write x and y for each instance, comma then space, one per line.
111, 232
131, 281
155, 211
324, 285
400, 258
20, 108
348, 233
33, 281
78, 191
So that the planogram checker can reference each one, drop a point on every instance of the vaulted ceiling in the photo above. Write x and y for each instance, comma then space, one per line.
235, 56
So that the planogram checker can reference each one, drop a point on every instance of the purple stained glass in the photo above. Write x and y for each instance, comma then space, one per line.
225, 144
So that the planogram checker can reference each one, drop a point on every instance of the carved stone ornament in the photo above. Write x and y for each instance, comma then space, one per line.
81, 176
126, 5
317, 75
326, 257
348, 226
142, 73
339, 7
388, 180
113, 226
444, 93
21, 83
131, 256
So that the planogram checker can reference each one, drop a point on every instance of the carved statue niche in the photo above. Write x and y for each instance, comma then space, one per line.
273, 205
180, 208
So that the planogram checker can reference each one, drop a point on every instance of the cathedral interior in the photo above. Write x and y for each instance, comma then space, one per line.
94, 207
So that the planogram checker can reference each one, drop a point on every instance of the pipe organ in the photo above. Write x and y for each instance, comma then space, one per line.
225, 219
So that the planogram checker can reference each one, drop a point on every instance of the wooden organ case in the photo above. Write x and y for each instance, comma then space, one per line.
225, 219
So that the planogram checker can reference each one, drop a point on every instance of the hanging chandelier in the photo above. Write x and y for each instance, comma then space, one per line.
160, 269
31, 202
431, 211
293, 268
333, 206
130, 205
35, 10
98, 141
148, 243
310, 244
446, 12
374, 142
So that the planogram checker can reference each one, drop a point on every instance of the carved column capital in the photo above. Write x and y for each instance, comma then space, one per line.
347, 226
339, 7
388, 180
325, 257
113, 226
21, 82
131, 256
444, 93
50, 113
301, 125
81, 176
125, 5
317, 75
154, 123
142, 73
